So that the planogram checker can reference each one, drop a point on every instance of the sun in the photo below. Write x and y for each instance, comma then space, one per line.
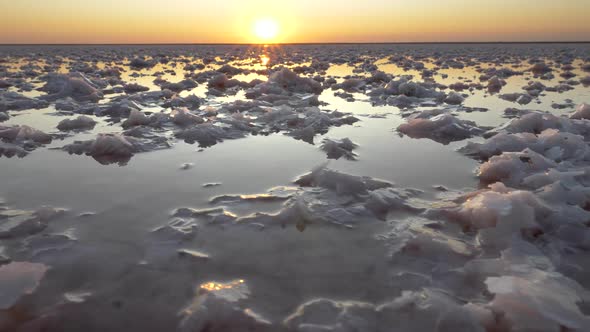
266, 29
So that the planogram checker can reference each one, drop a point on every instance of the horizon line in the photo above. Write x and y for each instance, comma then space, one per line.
301, 43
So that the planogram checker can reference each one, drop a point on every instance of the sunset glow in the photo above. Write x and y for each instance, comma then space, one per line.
233, 21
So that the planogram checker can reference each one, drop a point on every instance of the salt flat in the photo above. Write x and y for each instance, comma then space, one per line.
385, 187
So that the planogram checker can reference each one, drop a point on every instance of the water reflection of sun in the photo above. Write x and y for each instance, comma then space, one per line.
265, 60
215, 286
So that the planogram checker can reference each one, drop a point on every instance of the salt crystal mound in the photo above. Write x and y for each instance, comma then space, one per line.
218, 307
136, 118
325, 197
74, 85
183, 117
582, 112
536, 122
285, 82
134, 87
439, 126
336, 149
512, 167
79, 123
496, 214
304, 124
186, 84
551, 143
13, 101
20, 140
495, 84
115, 148
208, 134
141, 63
540, 68
404, 93
350, 85
454, 98
521, 98
219, 83
119, 108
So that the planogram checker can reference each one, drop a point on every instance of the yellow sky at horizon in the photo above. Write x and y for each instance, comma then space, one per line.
231, 21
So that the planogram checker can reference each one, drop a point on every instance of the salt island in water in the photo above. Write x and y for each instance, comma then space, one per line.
386, 187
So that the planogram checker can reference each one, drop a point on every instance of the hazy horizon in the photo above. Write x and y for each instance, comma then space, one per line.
305, 21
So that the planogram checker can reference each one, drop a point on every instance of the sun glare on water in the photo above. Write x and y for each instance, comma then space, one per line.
266, 30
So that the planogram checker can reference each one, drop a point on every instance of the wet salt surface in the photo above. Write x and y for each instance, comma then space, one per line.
182, 210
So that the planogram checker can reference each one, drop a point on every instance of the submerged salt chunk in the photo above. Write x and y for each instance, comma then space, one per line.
335, 149
218, 307
18, 279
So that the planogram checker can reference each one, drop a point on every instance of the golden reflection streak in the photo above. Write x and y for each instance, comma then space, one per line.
215, 286
264, 59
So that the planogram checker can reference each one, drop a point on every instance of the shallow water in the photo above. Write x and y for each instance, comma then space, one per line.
121, 278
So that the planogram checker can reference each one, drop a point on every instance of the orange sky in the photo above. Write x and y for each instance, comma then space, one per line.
231, 21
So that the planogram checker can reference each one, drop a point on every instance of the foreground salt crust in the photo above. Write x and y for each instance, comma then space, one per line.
507, 265
498, 255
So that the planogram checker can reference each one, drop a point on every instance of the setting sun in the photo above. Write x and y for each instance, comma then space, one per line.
266, 29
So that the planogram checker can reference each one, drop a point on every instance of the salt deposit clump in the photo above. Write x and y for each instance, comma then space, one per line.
23, 134
136, 118
82, 122
183, 117
551, 143
207, 134
545, 302
141, 63
20, 140
13, 101
582, 112
454, 99
512, 167
498, 214
495, 84
115, 148
442, 127
335, 149
520, 98
74, 85
285, 81
304, 123
537, 122
326, 197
